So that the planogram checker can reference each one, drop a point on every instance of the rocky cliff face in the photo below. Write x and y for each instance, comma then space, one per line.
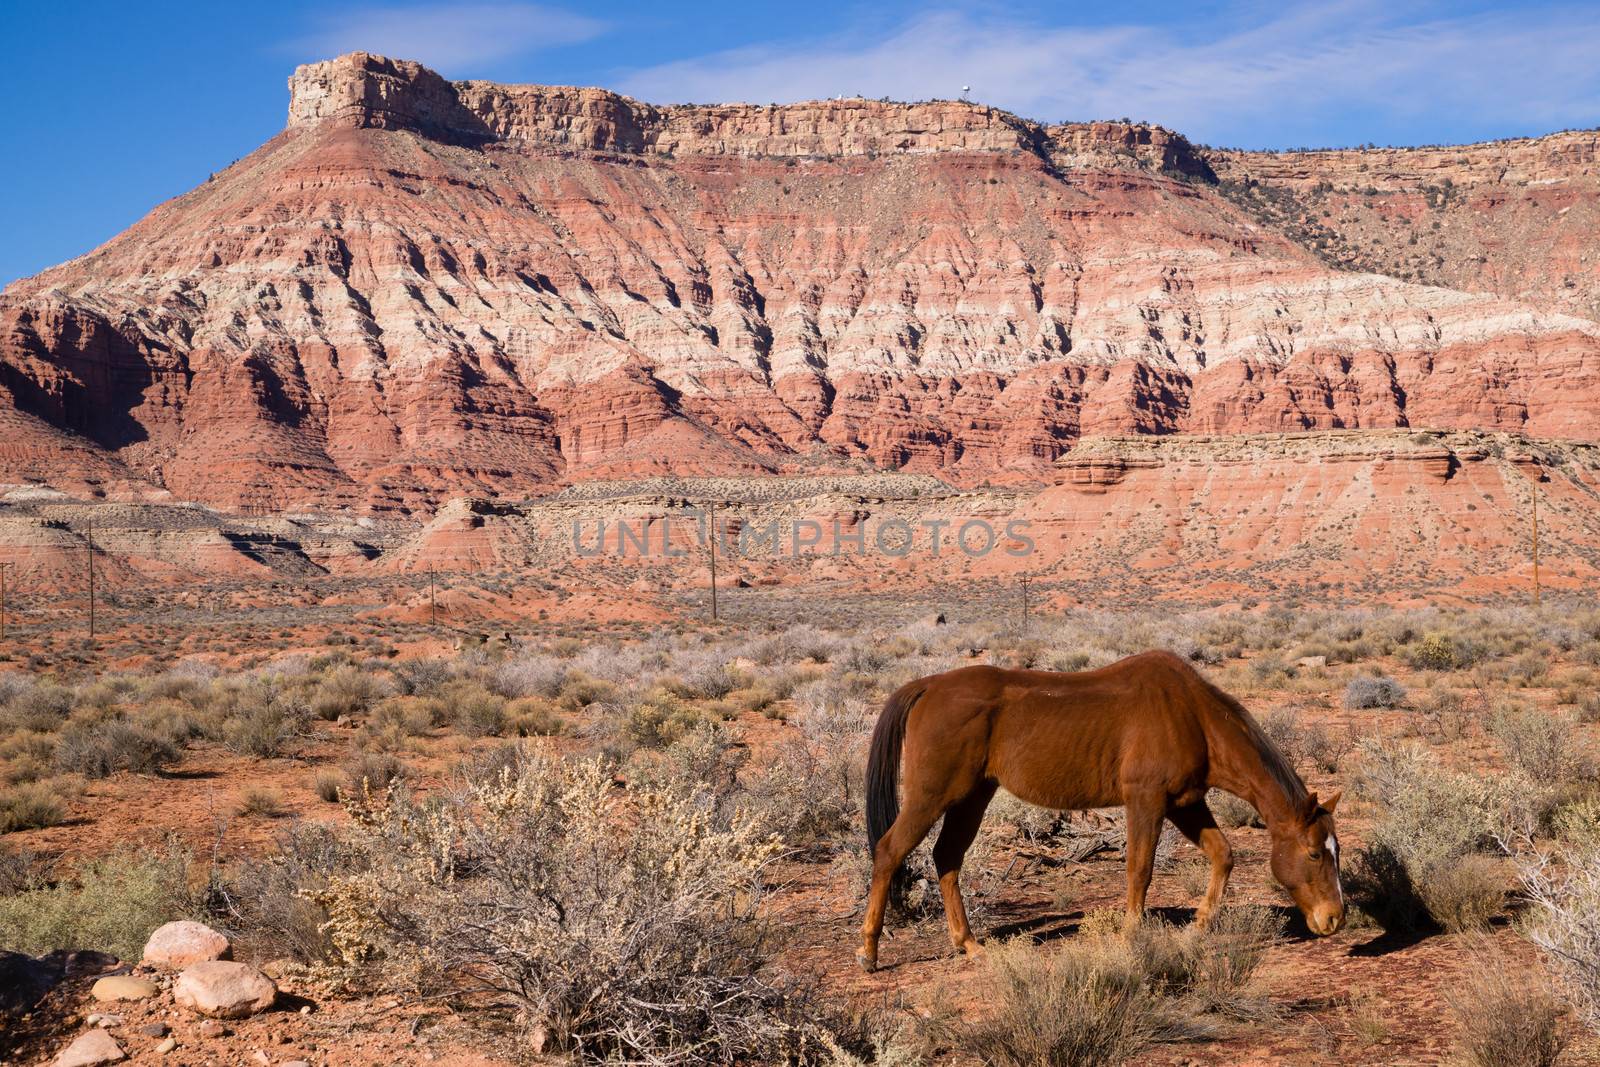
1515, 218
424, 289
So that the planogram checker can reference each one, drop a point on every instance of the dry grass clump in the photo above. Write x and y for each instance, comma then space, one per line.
33, 706
31, 806
260, 803
367, 772
529, 676
1372, 691
1085, 1005
625, 926
345, 692
99, 750
1230, 811
1102, 998
474, 710
1505, 1018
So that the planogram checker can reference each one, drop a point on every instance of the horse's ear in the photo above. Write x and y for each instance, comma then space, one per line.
1332, 802
1311, 808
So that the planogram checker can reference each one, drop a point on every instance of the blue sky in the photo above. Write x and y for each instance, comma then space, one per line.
114, 107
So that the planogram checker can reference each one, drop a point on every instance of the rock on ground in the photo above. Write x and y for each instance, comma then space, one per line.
124, 987
90, 1049
224, 990
178, 944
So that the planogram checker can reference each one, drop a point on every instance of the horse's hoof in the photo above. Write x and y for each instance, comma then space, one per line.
972, 948
868, 963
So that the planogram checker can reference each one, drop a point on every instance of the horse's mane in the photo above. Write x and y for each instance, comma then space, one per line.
1272, 758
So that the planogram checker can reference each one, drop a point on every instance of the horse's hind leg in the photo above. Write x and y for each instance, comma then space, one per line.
1197, 824
907, 831
960, 828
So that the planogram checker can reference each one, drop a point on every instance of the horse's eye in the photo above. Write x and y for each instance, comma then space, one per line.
1316, 853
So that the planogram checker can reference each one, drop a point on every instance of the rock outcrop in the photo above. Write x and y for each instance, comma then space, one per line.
426, 289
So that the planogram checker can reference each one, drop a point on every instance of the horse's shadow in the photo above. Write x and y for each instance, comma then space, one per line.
1053, 926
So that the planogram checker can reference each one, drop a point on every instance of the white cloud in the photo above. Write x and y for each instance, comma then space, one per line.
1307, 74
450, 38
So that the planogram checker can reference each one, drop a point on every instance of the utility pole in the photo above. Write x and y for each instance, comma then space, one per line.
1024, 601
3, 567
1536, 540
711, 536
88, 540
433, 604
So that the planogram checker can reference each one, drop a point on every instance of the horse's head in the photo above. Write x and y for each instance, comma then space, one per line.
1305, 860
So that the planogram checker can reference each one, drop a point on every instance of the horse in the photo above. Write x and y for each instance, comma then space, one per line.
1148, 732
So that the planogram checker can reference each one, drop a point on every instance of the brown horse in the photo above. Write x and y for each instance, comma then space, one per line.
1147, 732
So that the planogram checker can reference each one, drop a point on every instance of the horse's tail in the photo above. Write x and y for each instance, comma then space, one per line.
883, 763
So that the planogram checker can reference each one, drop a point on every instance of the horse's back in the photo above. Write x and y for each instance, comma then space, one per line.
1067, 740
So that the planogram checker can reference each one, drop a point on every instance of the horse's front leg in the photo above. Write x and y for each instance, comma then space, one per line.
1197, 824
1144, 816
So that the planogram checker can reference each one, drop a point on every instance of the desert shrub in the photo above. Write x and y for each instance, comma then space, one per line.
420, 677
580, 690
1230, 811
345, 691
654, 721
532, 717
408, 716
1372, 691
1536, 743
326, 785
99, 751
1564, 891
259, 716
26, 756
625, 926
476, 711
812, 789
1445, 715
30, 807
1589, 710
370, 772
1423, 863
38, 707
175, 720
1577, 824
805, 642
112, 905
262, 803
1504, 1017
1085, 1005
1439, 651
1530, 668
13, 684
529, 676
702, 676
20, 871
1104, 999
269, 900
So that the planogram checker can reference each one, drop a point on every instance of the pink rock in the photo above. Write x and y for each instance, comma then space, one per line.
223, 989
89, 1049
124, 987
179, 944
